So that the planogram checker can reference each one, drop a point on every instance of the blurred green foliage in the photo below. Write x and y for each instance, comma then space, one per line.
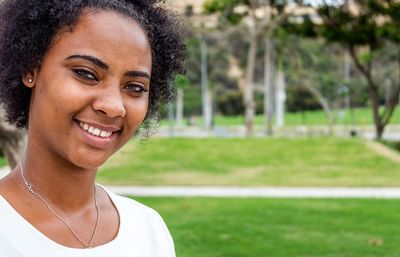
302, 60
371, 33
2, 162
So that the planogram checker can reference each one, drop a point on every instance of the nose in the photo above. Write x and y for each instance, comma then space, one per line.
110, 102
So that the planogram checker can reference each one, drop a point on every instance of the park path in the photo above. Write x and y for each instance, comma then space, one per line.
383, 150
268, 192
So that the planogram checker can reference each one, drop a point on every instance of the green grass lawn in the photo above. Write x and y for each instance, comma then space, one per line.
262, 227
362, 116
251, 162
2, 162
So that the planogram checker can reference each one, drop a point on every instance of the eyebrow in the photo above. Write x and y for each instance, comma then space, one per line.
137, 74
91, 59
104, 66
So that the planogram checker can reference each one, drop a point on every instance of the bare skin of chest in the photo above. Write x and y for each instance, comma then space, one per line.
82, 221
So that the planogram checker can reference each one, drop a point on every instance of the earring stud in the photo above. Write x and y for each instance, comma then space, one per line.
30, 80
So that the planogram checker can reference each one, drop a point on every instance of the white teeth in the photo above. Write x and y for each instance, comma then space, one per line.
95, 131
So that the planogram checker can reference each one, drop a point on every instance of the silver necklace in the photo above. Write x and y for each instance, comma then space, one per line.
85, 245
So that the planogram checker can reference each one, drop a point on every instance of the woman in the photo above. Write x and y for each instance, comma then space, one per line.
82, 75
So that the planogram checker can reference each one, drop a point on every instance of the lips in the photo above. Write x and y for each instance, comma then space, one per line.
96, 134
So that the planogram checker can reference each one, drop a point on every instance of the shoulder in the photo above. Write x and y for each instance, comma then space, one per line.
142, 220
136, 212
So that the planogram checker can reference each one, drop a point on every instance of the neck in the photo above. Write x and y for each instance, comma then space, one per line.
68, 187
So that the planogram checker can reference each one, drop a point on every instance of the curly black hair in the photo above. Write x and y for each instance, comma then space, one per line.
27, 29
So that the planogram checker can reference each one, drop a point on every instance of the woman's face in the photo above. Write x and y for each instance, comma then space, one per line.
91, 92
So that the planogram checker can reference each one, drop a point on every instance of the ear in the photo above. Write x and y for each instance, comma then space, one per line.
29, 78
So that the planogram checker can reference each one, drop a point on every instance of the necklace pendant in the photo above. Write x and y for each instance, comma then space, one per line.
30, 188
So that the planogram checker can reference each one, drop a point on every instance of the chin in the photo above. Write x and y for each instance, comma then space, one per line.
91, 163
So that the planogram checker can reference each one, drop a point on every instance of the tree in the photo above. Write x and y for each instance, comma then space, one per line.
181, 82
244, 15
363, 27
315, 66
206, 67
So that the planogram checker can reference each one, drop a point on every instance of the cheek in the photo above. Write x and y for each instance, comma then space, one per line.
62, 96
136, 112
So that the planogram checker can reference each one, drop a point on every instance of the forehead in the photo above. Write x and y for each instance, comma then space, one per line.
108, 35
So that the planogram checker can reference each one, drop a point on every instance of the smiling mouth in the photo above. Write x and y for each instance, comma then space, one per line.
95, 131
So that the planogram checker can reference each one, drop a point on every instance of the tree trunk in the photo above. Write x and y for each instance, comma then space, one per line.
325, 105
179, 107
249, 87
379, 131
268, 86
380, 121
205, 94
280, 97
170, 108
374, 98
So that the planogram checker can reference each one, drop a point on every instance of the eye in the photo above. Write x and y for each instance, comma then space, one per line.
135, 89
85, 74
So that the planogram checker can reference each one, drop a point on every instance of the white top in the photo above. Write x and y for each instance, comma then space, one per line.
142, 233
